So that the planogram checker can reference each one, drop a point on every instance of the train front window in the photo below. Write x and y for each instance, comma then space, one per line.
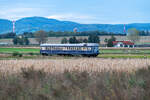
43, 48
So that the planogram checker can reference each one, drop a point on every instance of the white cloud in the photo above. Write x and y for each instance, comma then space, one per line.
72, 17
17, 13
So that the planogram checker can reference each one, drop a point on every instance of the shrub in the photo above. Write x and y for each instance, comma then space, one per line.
31, 73
15, 54
31, 53
32, 83
20, 55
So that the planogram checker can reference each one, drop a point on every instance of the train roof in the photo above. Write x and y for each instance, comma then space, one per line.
81, 44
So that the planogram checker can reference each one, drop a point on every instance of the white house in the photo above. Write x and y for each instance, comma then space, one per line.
123, 44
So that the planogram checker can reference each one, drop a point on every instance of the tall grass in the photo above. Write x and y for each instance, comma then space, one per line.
75, 79
33, 84
83, 64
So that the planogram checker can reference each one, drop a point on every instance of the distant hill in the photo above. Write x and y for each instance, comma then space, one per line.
32, 24
5, 26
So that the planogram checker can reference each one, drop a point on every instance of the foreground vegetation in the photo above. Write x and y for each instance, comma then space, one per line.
59, 65
34, 83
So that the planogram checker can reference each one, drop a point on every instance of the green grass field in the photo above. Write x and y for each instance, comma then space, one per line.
124, 56
104, 53
19, 50
125, 51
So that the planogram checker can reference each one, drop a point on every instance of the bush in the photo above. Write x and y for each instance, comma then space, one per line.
31, 54
20, 55
31, 73
17, 54
36, 84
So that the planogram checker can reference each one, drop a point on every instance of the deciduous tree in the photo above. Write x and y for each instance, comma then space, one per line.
64, 40
93, 38
133, 35
41, 36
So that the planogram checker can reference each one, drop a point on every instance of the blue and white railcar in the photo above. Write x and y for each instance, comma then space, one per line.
85, 49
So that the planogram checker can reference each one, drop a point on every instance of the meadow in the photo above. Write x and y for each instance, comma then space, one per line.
75, 79
102, 50
34, 53
10, 50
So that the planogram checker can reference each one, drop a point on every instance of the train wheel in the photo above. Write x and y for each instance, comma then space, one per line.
44, 54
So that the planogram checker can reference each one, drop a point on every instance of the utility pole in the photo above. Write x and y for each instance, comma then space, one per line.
14, 26
124, 29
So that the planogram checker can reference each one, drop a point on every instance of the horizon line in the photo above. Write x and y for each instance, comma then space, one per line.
75, 21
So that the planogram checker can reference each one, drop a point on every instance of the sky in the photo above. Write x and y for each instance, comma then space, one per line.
81, 11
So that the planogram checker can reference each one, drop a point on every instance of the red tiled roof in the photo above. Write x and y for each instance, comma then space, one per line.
124, 42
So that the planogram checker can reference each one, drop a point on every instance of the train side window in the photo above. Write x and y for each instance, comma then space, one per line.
57, 48
75, 48
52, 48
89, 48
64, 48
78, 48
68, 48
45, 48
85, 48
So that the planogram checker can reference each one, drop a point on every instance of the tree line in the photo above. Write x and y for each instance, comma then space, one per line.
67, 33
59, 34
91, 39
42, 37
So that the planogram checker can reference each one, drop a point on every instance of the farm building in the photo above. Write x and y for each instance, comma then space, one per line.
123, 44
